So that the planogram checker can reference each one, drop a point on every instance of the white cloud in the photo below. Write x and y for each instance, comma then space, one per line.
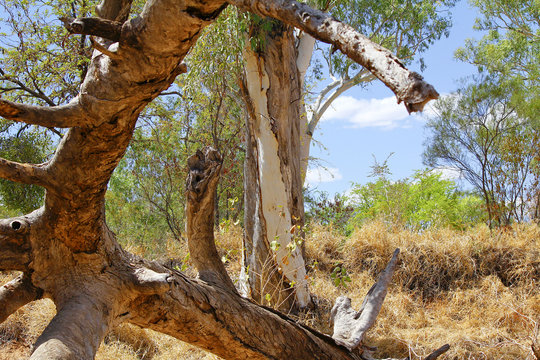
448, 173
385, 112
322, 175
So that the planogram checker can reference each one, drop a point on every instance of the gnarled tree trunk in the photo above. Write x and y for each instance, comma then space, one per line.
67, 253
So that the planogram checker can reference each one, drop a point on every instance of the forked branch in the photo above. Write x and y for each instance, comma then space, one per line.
350, 326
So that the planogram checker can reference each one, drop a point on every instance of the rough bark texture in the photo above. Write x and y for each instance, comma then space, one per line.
67, 253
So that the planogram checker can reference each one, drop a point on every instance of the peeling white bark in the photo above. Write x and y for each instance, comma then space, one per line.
306, 44
272, 187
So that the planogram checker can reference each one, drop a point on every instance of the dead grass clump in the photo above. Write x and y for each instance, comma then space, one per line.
440, 260
324, 247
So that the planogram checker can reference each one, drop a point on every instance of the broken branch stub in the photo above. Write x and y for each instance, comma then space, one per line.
350, 326
204, 169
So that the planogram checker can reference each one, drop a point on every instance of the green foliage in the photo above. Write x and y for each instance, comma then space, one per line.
39, 63
426, 200
26, 147
334, 212
509, 51
340, 276
479, 132
406, 28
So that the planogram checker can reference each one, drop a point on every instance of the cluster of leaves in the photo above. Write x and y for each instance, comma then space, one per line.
424, 201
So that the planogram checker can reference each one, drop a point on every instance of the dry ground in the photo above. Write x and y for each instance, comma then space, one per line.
476, 290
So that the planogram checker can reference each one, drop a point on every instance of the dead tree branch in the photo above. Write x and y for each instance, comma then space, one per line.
204, 169
350, 326
16, 293
107, 29
24, 173
64, 116
408, 86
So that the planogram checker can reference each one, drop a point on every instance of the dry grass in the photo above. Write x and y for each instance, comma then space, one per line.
477, 290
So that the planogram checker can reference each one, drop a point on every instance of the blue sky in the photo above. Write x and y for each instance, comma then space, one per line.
368, 122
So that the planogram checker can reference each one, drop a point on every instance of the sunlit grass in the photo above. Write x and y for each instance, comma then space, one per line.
477, 290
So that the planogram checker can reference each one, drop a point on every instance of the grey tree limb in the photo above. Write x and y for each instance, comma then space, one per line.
408, 86
107, 29
350, 326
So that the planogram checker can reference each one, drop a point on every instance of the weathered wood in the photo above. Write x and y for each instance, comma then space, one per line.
408, 86
204, 169
66, 248
65, 116
107, 29
16, 293
350, 326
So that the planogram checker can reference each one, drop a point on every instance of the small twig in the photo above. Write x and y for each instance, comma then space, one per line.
438, 352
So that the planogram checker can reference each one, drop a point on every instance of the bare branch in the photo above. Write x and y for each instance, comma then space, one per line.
107, 29
63, 116
202, 181
16, 293
408, 86
24, 173
350, 326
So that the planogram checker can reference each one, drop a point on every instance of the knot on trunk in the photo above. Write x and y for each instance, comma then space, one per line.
149, 282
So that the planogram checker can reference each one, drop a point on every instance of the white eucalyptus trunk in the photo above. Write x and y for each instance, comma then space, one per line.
273, 191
